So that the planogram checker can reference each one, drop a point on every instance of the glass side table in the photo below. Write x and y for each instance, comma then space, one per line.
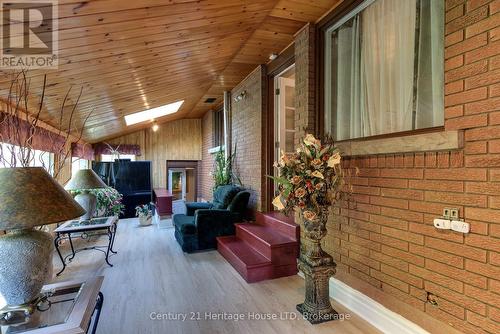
72, 307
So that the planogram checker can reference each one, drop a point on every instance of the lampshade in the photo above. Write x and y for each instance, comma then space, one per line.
29, 197
85, 179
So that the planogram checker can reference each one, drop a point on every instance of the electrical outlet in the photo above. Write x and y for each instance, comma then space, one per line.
460, 226
442, 224
454, 214
446, 212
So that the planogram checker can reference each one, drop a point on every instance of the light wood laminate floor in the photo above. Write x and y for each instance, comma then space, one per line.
152, 274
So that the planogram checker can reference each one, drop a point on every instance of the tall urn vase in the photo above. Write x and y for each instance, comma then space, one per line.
317, 267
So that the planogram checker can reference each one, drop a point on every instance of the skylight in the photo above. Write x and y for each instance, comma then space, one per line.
151, 114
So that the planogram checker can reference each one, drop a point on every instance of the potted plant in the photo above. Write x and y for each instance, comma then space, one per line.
145, 214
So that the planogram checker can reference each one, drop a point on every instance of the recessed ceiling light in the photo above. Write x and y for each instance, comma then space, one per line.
153, 113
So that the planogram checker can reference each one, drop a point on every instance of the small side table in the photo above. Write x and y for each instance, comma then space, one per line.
105, 225
75, 308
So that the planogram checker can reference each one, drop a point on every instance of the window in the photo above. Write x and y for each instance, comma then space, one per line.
112, 157
384, 69
218, 127
77, 164
13, 154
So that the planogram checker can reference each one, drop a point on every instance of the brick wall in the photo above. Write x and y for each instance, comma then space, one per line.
207, 159
383, 239
246, 132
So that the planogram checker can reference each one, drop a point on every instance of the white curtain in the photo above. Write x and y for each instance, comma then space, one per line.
387, 65
348, 92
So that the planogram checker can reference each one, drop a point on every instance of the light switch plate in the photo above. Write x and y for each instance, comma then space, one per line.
460, 226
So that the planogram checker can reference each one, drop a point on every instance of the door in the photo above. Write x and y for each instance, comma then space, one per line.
284, 113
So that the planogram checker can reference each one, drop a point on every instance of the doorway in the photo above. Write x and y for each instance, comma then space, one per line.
284, 113
182, 178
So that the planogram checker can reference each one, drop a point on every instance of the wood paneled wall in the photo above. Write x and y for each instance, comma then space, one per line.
177, 140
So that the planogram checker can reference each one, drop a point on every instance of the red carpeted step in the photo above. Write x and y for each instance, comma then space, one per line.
280, 222
252, 265
273, 244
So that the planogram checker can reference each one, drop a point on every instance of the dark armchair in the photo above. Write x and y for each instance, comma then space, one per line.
203, 222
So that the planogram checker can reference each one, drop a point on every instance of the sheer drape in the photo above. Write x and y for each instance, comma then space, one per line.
387, 62
387, 73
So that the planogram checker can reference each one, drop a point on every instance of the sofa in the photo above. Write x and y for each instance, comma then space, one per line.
204, 222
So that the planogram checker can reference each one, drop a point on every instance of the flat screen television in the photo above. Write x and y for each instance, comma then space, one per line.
128, 177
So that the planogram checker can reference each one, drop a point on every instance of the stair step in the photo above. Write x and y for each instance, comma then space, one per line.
279, 222
252, 265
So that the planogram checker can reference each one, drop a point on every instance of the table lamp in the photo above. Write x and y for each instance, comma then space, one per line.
29, 197
86, 180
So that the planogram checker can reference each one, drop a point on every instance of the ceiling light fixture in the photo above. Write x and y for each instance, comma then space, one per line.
155, 127
153, 113
273, 56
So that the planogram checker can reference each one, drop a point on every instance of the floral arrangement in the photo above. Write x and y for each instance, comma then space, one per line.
310, 178
109, 201
143, 211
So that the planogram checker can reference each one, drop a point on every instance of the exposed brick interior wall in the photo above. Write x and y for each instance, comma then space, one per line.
207, 159
246, 132
383, 239
305, 81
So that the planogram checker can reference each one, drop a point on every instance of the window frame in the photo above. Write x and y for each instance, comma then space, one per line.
342, 13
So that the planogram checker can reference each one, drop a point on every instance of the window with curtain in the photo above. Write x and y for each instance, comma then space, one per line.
384, 69
12, 154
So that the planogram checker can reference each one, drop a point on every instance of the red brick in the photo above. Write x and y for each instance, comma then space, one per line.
455, 186
483, 322
456, 198
437, 278
473, 4
404, 173
454, 248
475, 147
454, 38
390, 280
489, 23
494, 118
453, 62
403, 193
466, 122
403, 255
486, 188
485, 160
389, 241
456, 174
387, 182
466, 96
443, 257
405, 277
494, 258
484, 269
457, 159
486, 215
466, 72
483, 79
402, 214
457, 274
483, 241
430, 159
495, 7
482, 295
494, 175
454, 13
454, 87
391, 202
466, 20
457, 298
492, 49
491, 104
428, 229
390, 260
403, 235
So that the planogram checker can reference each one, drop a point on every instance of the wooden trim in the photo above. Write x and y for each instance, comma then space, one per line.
185, 164
285, 59
336, 14
275, 67
422, 142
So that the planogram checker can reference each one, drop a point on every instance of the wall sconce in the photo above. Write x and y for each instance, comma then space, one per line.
240, 96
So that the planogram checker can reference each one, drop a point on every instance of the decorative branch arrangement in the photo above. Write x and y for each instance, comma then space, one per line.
20, 128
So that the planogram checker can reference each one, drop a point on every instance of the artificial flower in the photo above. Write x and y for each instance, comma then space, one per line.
278, 203
310, 215
296, 179
317, 174
318, 186
316, 163
299, 193
309, 140
334, 160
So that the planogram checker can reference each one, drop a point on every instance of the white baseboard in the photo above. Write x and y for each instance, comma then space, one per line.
370, 310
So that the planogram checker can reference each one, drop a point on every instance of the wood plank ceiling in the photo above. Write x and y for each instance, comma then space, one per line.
134, 55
